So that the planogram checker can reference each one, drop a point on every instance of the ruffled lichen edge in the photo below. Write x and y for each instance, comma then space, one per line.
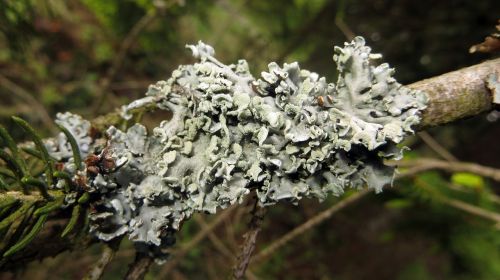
286, 135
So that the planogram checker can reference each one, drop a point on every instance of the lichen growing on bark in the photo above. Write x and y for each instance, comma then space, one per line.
286, 135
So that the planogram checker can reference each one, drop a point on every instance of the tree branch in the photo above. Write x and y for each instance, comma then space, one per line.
249, 241
424, 164
435, 146
455, 95
458, 94
24, 95
107, 255
139, 267
309, 224
185, 248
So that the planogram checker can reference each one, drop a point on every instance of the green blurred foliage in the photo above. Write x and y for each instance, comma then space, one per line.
61, 51
478, 252
468, 180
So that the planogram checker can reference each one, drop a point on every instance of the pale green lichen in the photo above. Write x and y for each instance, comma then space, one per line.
287, 135
60, 147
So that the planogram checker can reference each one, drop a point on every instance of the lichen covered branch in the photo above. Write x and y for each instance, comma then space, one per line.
459, 94
286, 135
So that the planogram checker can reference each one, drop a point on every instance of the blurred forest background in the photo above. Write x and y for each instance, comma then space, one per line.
90, 57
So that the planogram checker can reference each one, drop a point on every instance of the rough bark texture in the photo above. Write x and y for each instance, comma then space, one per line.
458, 94
108, 253
452, 96
249, 241
139, 267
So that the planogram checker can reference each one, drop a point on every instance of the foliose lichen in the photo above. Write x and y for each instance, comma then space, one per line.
59, 147
286, 135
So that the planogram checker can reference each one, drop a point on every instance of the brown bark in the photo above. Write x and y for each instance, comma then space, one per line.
139, 267
458, 94
249, 241
452, 96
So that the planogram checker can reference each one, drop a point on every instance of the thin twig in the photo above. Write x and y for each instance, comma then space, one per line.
302, 34
344, 28
435, 146
471, 209
107, 255
466, 207
130, 39
249, 241
202, 234
139, 267
220, 246
309, 224
491, 196
186, 247
23, 94
118, 60
425, 164
305, 30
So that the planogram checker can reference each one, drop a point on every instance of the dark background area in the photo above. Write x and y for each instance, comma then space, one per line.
91, 56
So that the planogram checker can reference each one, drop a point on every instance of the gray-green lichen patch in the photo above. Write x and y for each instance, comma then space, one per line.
287, 135
60, 150
59, 147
